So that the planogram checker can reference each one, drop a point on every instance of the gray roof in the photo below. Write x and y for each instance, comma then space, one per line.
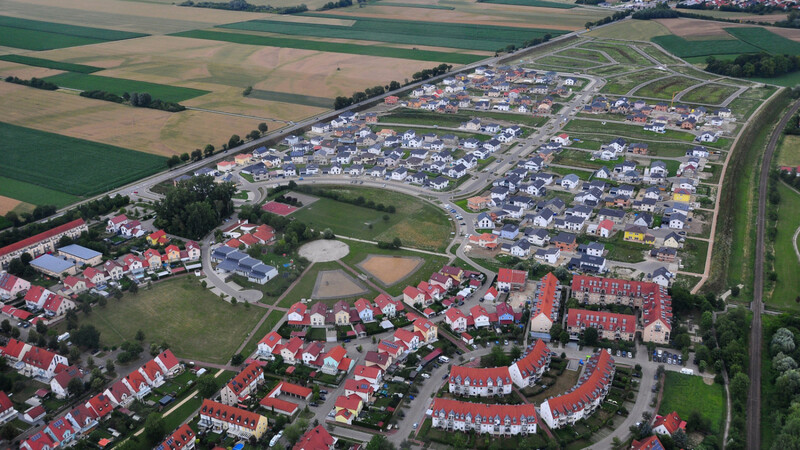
79, 251
52, 263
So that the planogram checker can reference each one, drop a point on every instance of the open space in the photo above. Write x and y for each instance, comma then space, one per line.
336, 284
118, 86
786, 265
687, 393
37, 35
180, 312
390, 269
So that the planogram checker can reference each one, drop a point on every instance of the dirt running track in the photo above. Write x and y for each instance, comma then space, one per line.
754, 397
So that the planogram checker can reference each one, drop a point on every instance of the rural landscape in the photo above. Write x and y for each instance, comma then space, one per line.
419, 224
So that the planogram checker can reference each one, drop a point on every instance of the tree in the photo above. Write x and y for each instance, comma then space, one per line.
184, 156
782, 341
87, 336
75, 387
139, 335
154, 429
209, 150
237, 359
234, 141
292, 433
262, 127
134, 288
379, 442
110, 367
328, 234
5, 326
397, 243
680, 439
707, 321
206, 386
590, 336
197, 155
174, 161
515, 353
739, 386
782, 362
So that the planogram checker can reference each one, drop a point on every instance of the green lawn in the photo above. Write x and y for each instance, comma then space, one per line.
710, 93
68, 164
272, 319
333, 47
119, 86
666, 88
286, 97
36, 195
38, 35
50, 64
418, 224
538, 3
305, 287
694, 255
197, 324
631, 132
787, 287
687, 393
621, 84
422, 117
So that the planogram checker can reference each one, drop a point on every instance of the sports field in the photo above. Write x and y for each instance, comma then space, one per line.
70, 165
195, 323
119, 86
687, 393
38, 35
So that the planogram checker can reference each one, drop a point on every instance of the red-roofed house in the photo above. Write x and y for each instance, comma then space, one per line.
529, 369
7, 411
273, 403
157, 238
152, 258
333, 360
456, 319
412, 296
99, 406
115, 223
181, 439
364, 309
511, 280
219, 418
352, 404
651, 443
485, 240
169, 363
41, 363
608, 325
15, 350
242, 385
387, 306
408, 338
481, 382
41, 243
137, 384
480, 316
546, 301
120, 393
501, 420
61, 430
192, 250
605, 228
491, 294
428, 329
39, 441
376, 359
297, 314
317, 438
372, 375
583, 399
668, 424
64, 374
362, 389
268, 344
440, 279
11, 285
393, 348
291, 353
96, 276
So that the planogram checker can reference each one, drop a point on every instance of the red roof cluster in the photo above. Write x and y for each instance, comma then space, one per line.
481, 413
178, 439
41, 236
601, 320
512, 276
481, 377
230, 414
592, 384
656, 302
317, 438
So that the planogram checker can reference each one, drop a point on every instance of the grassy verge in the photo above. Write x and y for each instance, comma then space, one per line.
272, 319
687, 393
787, 286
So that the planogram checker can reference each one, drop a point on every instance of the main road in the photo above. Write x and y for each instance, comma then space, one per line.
757, 305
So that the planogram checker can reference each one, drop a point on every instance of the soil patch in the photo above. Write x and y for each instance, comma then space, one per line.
336, 284
324, 250
388, 270
8, 204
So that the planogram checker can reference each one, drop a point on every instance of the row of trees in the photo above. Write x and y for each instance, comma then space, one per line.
195, 207
761, 65
139, 100
234, 141
357, 97
619, 15
781, 380
660, 12
242, 5
34, 82
336, 4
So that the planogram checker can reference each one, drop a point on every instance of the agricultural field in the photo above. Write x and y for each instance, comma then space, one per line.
712, 94
622, 84
687, 393
684, 48
665, 88
176, 311
788, 153
286, 97
421, 117
638, 30
417, 224
786, 262
765, 40
538, 3
56, 65
622, 54
31, 194
37, 35
119, 86
60, 162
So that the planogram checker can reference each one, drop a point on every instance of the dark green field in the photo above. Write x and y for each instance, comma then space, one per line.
70, 165
58, 65
416, 5
119, 86
682, 48
39, 35
539, 3
334, 47
765, 40
464, 36
33, 194
287, 97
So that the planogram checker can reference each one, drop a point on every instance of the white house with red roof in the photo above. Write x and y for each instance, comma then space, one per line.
456, 319
583, 399
480, 382
60, 382
312, 351
62, 431
11, 285
81, 418
34, 414
76, 284
151, 372
412, 296
499, 420
434, 291
268, 344
545, 305
94, 275
480, 316
113, 225
39, 441
132, 264
440, 279
668, 424
114, 270
362, 389
410, 339
562, 139
7, 411
392, 348
242, 385
99, 406
364, 309
41, 363
529, 369
373, 375
317, 438
511, 280
48, 301
137, 384
169, 364
297, 314
192, 250
181, 439
491, 294
388, 307
120, 393
290, 352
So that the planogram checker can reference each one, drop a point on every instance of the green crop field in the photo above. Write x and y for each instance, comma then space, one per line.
710, 93
418, 224
33, 194
765, 40
333, 47
197, 324
683, 48
687, 393
422, 117
539, 3
39, 35
119, 86
50, 64
297, 99
786, 264
621, 84
70, 165
623, 54
415, 5
665, 88
463, 36
559, 61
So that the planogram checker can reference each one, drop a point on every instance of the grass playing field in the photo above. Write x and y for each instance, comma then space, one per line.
195, 323
786, 264
38, 35
70, 165
58, 65
453, 35
687, 393
119, 86
333, 47
418, 224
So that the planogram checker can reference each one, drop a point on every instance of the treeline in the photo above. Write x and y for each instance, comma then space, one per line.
357, 97
782, 400
195, 207
209, 149
84, 211
589, 2
242, 5
761, 65
656, 13
333, 195
619, 15
792, 20
338, 4
529, 43
139, 100
34, 82
757, 8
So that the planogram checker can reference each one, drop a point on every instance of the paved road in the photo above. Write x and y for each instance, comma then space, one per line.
757, 305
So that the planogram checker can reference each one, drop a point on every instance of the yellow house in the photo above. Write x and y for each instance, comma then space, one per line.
681, 195
341, 313
348, 407
173, 253
672, 241
428, 329
635, 233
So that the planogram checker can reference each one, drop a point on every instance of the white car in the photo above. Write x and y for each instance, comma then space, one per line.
426, 376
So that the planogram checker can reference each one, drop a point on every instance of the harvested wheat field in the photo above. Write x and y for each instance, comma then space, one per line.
336, 284
690, 29
8, 204
25, 72
390, 269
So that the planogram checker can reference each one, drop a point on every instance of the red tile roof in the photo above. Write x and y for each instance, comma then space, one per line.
371, 373
351, 402
517, 414
247, 377
5, 402
672, 422
656, 302
178, 439
40, 237
597, 376
534, 359
316, 439
38, 357
512, 276
14, 348
601, 320
168, 359
230, 414
651, 443
546, 293
480, 376
39, 441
